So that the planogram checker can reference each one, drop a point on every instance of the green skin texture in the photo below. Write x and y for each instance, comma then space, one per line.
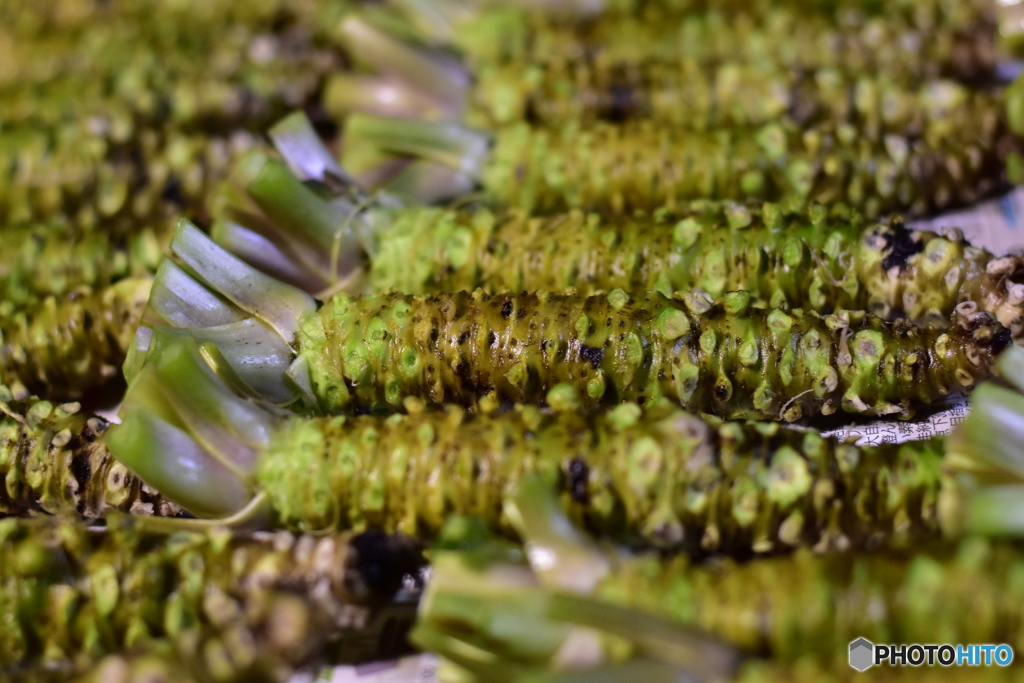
807, 606
147, 125
61, 349
805, 259
97, 181
55, 260
955, 38
69, 596
726, 359
694, 96
53, 461
660, 475
957, 159
195, 65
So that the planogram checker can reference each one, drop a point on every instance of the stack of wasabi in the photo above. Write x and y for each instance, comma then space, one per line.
515, 342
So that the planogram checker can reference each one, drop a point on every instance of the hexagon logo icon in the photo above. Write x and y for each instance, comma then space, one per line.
862, 654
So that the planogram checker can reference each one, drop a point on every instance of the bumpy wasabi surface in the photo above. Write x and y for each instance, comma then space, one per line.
236, 607
44, 260
53, 460
659, 474
728, 358
644, 165
925, 38
121, 114
62, 348
807, 605
698, 96
97, 180
803, 259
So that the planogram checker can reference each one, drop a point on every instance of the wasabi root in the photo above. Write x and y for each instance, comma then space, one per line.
656, 474
816, 259
722, 357
237, 607
803, 610
62, 347
53, 460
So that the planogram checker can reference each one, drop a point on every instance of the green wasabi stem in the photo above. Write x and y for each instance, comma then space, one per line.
245, 287
305, 220
657, 475
233, 607
382, 95
331, 224
302, 220
53, 460
450, 144
422, 181
256, 354
182, 301
643, 165
412, 180
214, 455
816, 259
434, 76
802, 259
61, 348
170, 95
801, 610
987, 451
722, 357
300, 146
448, 22
251, 317
415, 161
